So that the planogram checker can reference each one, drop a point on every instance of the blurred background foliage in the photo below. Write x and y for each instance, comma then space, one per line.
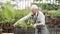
10, 15
58, 0
49, 6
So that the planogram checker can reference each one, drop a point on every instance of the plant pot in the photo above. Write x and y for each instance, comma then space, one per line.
30, 31
23, 31
11, 31
11, 24
1, 24
0, 32
8, 24
18, 30
7, 27
4, 24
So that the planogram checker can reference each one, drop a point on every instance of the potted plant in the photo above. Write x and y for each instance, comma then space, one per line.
54, 14
30, 28
0, 31
20, 28
24, 28
8, 15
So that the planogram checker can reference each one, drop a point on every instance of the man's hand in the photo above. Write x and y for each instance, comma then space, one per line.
35, 25
14, 25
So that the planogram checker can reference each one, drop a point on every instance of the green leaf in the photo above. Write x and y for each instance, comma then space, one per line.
8, 11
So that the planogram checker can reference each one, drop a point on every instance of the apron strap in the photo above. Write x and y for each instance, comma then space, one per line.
35, 20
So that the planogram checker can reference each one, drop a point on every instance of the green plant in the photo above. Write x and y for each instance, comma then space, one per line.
10, 15
25, 25
0, 29
49, 6
8, 12
22, 25
21, 13
30, 23
54, 13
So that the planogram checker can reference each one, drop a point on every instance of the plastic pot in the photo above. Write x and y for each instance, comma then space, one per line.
23, 31
0, 32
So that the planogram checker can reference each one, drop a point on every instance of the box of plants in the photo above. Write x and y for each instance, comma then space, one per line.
24, 28
54, 16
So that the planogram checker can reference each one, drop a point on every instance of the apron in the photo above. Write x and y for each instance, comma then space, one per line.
40, 30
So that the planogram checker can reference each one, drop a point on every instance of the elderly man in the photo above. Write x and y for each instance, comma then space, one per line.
38, 20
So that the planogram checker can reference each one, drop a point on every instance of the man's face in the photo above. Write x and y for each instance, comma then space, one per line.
34, 11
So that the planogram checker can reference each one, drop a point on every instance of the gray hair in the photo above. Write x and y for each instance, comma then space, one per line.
34, 6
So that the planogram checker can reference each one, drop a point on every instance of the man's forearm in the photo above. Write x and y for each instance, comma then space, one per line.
39, 23
15, 23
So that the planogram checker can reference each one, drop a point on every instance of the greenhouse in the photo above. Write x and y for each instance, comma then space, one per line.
29, 16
